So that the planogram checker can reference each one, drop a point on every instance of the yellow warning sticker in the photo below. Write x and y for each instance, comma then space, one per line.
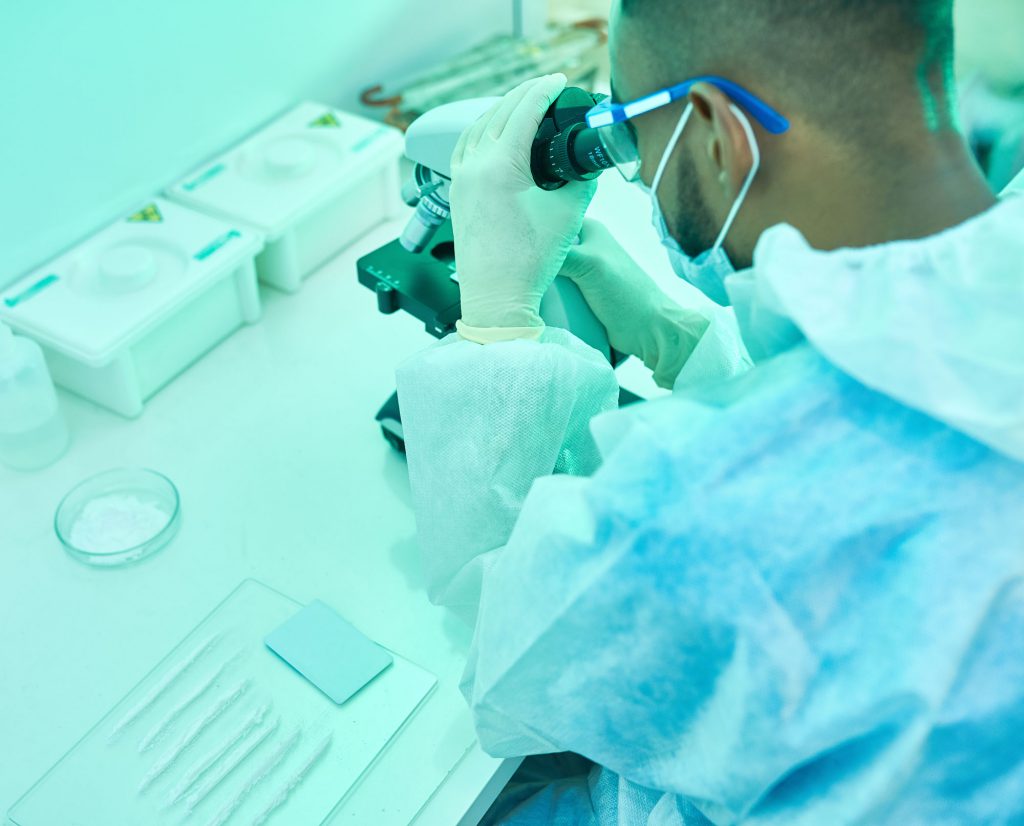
148, 214
326, 119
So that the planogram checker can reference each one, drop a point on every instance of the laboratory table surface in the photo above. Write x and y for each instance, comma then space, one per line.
285, 478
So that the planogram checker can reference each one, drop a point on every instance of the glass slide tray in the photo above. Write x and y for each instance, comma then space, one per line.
223, 731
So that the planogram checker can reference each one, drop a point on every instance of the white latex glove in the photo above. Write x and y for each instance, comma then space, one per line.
640, 319
511, 237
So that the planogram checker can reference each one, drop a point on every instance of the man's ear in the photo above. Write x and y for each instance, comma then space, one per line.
728, 149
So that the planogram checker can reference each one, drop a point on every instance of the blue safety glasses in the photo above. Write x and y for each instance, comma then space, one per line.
612, 120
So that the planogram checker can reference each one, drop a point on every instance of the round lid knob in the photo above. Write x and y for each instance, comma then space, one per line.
387, 298
127, 267
290, 157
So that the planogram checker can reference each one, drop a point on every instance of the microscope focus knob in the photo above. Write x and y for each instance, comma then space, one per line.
387, 298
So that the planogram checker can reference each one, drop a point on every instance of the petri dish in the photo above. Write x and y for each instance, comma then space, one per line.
118, 517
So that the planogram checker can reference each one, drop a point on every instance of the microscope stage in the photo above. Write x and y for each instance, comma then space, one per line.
420, 284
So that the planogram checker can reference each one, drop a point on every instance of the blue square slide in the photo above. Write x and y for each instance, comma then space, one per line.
328, 651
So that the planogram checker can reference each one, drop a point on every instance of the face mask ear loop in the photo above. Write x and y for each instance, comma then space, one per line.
670, 148
755, 152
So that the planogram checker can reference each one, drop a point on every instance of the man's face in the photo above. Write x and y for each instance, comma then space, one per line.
638, 70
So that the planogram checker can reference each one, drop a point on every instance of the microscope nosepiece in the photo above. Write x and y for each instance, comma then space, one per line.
425, 222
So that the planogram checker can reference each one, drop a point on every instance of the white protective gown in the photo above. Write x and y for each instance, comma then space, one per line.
795, 596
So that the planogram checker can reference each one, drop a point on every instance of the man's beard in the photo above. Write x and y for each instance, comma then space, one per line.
691, 222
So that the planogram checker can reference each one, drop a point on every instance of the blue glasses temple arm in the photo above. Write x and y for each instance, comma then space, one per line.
761, 111
771, 120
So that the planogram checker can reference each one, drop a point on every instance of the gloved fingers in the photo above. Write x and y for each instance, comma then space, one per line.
579, 265
581, 192
459, 152
568, 205
470, 136
525, 120
477, 130
508, 105
600, 252
597, 239
583, 258
591, 230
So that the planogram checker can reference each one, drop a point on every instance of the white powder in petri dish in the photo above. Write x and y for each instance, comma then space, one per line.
116, 522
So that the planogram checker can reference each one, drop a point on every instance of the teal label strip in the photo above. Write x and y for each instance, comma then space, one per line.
216, 244
35, 289
209, 174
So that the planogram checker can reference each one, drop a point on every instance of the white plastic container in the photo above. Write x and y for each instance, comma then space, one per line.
126, 311
311, 182
32, 430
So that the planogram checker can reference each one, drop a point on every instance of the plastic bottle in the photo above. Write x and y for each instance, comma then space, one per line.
33, 433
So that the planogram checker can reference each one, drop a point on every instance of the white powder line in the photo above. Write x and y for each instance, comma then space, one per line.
285, 791
203, 766
157, 732
264, 771
154, 693
194, 731
226, 768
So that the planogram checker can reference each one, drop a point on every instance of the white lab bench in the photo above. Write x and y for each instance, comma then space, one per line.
284, 477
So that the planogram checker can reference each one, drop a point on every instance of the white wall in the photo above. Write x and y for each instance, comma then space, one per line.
103, 102
990, 39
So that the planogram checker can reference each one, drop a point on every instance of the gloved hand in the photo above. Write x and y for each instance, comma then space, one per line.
640, 319
511, 237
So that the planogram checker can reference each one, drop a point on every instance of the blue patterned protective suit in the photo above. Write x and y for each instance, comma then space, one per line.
791, 596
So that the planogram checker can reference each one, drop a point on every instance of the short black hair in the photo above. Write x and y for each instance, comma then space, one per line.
835, 60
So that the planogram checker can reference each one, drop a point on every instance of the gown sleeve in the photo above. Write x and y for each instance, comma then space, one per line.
482, 423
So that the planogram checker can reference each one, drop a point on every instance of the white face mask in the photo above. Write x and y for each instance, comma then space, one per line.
707, 271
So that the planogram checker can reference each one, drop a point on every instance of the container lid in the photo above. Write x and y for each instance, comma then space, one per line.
109, 291
273, 178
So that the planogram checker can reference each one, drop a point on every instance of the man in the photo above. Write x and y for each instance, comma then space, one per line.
795, 595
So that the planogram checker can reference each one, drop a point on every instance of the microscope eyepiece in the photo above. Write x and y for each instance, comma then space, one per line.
565, 148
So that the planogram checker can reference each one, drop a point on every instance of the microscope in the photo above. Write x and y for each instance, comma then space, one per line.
417, 272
